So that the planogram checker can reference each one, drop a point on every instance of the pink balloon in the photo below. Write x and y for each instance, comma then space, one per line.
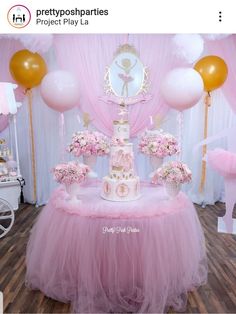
182, 88
60, 91
3, 122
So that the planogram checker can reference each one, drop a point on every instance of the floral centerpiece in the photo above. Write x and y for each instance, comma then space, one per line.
89, 144
157, 145
172, 174
70, 174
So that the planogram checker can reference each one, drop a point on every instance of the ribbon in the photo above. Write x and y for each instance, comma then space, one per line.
62, 136
33, 164
207, 104
180, 119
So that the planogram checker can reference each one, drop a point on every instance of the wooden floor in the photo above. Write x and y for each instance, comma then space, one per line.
218, 296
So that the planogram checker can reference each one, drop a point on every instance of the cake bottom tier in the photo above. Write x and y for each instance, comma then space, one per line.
120, 190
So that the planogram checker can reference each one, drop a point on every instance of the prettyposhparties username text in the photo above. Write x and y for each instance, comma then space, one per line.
72, 17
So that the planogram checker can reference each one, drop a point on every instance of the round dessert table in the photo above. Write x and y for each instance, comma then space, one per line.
141, 256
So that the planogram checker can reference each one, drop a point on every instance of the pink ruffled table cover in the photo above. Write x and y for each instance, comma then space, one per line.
102, 256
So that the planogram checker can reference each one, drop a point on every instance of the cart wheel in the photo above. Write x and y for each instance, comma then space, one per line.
6, 217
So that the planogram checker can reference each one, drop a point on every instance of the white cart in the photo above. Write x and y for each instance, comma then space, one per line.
10, 191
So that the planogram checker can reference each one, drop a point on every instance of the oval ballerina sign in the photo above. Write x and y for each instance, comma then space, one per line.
126, 76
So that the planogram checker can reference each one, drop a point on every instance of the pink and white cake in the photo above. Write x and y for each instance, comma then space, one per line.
121, 184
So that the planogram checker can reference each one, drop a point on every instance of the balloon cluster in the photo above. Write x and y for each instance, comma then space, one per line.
182, 88
59, 89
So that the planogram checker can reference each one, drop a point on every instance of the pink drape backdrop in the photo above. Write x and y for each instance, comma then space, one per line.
87, 57
226, 49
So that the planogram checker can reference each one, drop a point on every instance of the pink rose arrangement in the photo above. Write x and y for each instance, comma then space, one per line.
89, 143
71, 172
173, 172
158, 144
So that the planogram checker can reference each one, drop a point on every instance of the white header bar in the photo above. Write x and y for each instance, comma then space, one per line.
118, 16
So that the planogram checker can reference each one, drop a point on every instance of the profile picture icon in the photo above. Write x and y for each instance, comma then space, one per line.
19, 16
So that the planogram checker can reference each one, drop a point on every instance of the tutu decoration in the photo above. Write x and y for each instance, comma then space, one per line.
103, 259
223, 162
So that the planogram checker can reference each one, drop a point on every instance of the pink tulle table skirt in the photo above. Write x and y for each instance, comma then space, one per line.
140, 256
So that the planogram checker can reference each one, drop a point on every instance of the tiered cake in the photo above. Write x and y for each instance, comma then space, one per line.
121, 184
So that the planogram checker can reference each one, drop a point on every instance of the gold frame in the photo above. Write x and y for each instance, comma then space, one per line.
107, 83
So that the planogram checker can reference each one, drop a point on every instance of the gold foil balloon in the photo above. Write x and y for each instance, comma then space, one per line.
27, 68
213, 71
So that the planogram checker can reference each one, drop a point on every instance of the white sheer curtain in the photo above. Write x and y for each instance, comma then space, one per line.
220, 118
46, 125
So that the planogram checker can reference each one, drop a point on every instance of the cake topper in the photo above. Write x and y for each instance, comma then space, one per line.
123, 112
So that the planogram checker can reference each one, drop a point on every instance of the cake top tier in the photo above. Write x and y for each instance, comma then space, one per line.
121, 130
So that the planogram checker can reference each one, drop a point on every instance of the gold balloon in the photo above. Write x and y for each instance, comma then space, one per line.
213, 70
27, 68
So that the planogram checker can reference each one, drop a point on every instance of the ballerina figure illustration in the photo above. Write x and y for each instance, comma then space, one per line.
126, 66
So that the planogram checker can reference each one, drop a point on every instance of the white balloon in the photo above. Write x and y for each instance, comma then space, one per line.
188, 47
182, 88
215, 36
60, 90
